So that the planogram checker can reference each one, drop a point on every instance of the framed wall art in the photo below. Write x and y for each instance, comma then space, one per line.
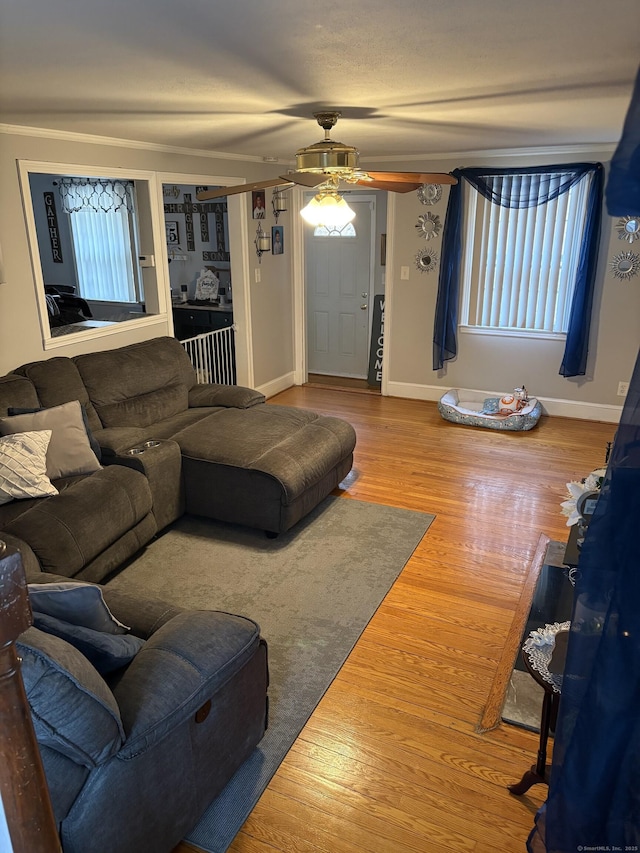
259, 209
172, 232
277, 239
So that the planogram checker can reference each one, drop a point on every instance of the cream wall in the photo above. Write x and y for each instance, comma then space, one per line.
271, 304
502, 363
20, 336
265, 309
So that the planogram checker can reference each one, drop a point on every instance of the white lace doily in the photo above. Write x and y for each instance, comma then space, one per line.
539, 647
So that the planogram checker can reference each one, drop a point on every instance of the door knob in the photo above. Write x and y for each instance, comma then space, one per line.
364, 307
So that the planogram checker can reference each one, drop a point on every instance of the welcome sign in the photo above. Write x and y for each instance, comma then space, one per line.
374, 376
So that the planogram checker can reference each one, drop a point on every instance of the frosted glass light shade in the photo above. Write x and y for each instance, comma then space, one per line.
330, 210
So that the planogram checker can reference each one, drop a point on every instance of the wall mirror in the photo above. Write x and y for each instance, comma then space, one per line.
93, 236
625, 265
628, 228
427, 260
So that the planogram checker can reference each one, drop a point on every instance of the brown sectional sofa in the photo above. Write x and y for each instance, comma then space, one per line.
168, 445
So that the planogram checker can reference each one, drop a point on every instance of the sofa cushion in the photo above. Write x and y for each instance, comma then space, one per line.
138, 384
295, 447
73, 710
70, 531
57, 381
142, 410
23, 462
17, 391
69, 452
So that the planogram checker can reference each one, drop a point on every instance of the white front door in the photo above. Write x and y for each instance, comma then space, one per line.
338, 296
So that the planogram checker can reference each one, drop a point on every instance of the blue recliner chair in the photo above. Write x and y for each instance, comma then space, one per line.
135, 754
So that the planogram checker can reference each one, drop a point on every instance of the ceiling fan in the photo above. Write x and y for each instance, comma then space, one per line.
325, 164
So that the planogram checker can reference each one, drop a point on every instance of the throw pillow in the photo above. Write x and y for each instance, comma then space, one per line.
95, 446
23, 466
69, 452
77, 602
77, 612
107, 652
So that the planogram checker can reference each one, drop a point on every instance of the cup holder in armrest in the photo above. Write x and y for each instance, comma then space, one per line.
136, 451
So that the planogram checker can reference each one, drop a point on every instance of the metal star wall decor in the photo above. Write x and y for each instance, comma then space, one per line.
427, 260
625, 265
428, 225
429, 193
628, 228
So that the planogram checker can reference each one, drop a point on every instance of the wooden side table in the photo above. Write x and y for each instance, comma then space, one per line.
544, 655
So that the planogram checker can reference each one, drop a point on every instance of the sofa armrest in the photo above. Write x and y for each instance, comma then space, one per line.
114, 441
30, 563
228, 396
182, 665
161, 463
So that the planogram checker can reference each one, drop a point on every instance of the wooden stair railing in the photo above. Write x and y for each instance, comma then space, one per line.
23, 786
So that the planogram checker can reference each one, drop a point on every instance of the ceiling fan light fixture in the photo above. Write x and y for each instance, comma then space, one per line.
328, 209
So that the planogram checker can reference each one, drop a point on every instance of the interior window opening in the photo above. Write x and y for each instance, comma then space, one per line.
92, 243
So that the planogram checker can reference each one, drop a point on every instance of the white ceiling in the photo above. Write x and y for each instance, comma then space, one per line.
413, 78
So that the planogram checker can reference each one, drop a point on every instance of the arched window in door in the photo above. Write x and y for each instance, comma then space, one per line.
346, 231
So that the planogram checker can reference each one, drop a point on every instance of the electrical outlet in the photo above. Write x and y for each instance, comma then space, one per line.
404, 273
623, 388
258, 275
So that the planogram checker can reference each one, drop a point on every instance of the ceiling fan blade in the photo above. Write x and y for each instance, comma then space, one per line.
307, 179
418, 178
206, 195
390, 186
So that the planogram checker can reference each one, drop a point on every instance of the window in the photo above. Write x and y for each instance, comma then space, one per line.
513, 268
347, 230
95, 237
522, 262
103, 231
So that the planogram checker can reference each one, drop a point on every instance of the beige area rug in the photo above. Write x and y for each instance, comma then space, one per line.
312, 590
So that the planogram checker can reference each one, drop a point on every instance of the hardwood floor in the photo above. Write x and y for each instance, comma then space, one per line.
392, 759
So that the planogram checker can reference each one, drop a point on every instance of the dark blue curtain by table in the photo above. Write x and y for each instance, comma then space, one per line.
594, 791
520, 188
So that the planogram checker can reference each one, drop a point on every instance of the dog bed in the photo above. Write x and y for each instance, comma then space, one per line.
474, 408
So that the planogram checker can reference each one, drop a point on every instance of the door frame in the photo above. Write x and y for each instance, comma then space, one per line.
301, 372
239, 262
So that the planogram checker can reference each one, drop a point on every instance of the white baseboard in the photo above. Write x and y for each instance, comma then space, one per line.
550, 406
275, 386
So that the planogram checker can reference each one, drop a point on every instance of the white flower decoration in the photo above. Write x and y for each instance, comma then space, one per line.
591, 483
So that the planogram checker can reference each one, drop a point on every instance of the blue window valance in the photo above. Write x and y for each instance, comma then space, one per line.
521, 188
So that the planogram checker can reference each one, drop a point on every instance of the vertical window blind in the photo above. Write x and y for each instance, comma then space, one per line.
523, 273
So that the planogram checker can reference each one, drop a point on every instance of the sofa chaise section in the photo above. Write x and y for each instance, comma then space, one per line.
244, 462
275, 465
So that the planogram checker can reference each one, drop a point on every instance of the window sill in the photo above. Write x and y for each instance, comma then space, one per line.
104, 329
514, 333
